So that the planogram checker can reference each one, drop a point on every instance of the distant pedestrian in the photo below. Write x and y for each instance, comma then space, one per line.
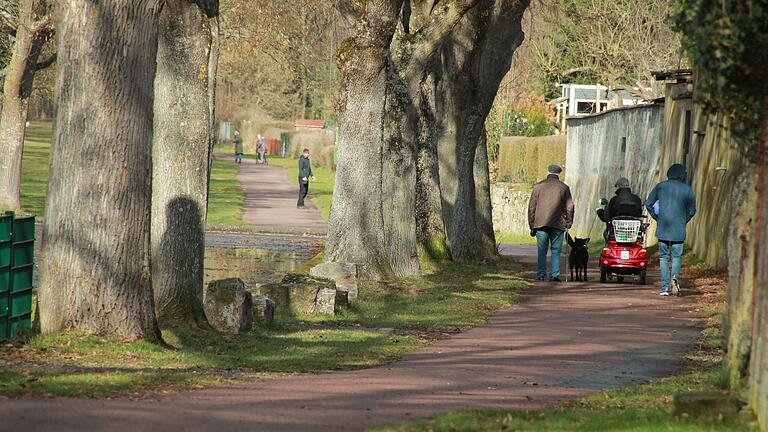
305, 175
238, 148
673, 204
262, 149
550, 214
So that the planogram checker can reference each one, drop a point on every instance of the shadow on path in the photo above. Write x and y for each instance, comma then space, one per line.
560, 341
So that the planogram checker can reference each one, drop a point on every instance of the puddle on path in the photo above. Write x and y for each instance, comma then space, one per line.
256, 259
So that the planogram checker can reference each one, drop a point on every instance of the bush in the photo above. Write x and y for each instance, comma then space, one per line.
525, 159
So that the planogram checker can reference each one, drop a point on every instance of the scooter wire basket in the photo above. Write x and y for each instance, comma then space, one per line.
626, 231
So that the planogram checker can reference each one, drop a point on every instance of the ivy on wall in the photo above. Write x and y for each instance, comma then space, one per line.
727, 41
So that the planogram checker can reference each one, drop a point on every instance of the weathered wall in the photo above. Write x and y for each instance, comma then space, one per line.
713, 167
510, 208
603, 147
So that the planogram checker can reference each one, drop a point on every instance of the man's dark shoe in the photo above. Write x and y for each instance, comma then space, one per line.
554, 279
541, 278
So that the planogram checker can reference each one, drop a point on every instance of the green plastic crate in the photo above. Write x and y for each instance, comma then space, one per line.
22, 278
6, 227
17, 258
23, 229
19, 324
23, 253
5, 254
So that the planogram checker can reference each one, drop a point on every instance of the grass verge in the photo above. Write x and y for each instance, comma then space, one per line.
646, 407
225, 201
34, 167
512, 238
389, 321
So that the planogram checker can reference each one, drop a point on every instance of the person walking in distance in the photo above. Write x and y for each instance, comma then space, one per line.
262, 149
305, 175
550, 214
238, 148
673, 204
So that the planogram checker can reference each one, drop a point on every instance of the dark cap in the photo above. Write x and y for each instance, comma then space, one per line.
622, 183
554, 169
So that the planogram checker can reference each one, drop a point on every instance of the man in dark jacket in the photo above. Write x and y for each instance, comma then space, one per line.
550, 214
673, 205
624, 203
305, 174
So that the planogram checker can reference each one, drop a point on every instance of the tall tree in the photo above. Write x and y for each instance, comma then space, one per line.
474, 61
181, 150
33, 29
728, 44
356, 232
412, 219
95, 268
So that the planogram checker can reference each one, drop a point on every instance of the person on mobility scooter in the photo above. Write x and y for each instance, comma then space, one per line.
624, 252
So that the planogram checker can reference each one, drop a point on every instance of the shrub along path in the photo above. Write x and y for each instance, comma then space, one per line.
558, 342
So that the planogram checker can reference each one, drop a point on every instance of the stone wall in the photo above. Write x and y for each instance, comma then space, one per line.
510, 208
603, 147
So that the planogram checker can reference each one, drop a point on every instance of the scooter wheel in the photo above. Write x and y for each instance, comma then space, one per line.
603, 274
620, 279
642, 279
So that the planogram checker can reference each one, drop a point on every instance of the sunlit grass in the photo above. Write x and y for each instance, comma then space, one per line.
388, 321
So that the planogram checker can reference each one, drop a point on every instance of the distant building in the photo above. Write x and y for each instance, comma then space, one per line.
578, 100
304, 124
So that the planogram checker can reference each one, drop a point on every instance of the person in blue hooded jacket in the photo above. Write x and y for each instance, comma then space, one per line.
673, 205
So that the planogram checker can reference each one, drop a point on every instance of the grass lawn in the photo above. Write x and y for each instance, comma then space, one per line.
646, 407
34, 167
416, 311
511, 238
225, 201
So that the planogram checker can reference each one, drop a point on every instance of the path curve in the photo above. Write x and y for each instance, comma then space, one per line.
560, 341
270, 198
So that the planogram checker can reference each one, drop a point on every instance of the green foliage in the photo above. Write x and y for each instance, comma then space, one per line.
413, 311
528, 123
728, 44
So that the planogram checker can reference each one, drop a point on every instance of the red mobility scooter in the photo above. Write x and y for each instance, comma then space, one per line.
624, 253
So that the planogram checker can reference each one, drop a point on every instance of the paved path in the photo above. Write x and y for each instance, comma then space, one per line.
558, 342
270, 198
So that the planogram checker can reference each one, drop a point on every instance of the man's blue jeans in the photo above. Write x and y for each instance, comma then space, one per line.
667, 249
548, 238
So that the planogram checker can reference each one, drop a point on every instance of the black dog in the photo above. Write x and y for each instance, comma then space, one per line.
579, 257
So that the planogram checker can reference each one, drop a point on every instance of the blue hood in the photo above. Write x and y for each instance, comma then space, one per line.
676, 172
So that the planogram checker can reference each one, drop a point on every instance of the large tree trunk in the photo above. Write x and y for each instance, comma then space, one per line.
356, 228
95, 269
180, 155
412, 216
33, 31
474, 62
759, 358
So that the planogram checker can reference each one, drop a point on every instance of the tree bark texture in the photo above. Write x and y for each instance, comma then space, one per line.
737, 323
95, 268
474, 61
356, 228
33, 31
759, 353
180, 154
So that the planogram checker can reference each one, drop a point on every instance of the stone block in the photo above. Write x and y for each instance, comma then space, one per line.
345, 275
263, 309
228, 306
